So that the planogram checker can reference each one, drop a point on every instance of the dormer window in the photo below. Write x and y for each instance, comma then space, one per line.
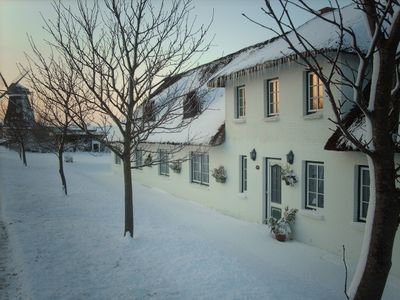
191, 105
149, 112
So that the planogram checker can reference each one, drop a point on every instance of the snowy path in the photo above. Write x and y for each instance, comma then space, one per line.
72, 247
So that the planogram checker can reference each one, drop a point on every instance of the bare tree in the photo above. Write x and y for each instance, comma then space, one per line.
124, 52
376, 98
54, 84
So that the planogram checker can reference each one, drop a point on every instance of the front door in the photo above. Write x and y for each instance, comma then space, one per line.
273, 189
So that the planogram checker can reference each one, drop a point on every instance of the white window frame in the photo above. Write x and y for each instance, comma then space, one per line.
243, 173
320, 93
361, 185
163, 167
199, 172
317, 180
273, 99
138, 158
240, 102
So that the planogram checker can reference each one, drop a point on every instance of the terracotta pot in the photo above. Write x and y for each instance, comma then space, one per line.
280, 237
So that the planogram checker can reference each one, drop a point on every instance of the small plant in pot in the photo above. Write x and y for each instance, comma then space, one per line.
176, 166
281, 228
219, 174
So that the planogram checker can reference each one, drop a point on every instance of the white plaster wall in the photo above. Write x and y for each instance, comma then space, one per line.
328, 228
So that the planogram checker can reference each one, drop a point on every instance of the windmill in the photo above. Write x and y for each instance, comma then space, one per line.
8, 88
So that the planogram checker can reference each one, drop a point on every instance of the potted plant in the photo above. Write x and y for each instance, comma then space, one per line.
176, 166
149, 160
219, 174
281, 228
288, 175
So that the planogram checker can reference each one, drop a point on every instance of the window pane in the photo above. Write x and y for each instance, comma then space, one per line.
321, 172
312, 171
312, 199
276, 213
320, 186
320, 200
364, 210
312, 185
365, 177
365, 194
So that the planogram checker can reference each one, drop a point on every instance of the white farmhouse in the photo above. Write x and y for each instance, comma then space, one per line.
267, 112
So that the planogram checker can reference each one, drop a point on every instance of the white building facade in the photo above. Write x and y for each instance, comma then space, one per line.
276, 117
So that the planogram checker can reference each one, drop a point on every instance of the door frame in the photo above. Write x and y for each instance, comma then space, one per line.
266, 175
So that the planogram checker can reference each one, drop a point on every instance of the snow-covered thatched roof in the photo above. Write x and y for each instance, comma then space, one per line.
207, 128
354, 122
319, 33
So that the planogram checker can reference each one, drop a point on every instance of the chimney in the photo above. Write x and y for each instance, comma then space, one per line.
325, 10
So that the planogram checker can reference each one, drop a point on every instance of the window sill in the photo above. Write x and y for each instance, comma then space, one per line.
359, 226
200, 186
271, 119
312, 214
239, 121
242, 196
314, 116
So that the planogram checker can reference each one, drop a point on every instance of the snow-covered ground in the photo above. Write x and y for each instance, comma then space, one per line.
73, 247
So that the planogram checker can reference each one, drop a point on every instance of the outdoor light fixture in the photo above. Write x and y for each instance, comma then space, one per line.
290, 157
253, 154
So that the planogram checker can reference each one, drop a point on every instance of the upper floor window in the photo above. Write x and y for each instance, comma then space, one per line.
200, 168
315, 93
191, 105
149, 112
363, 192
314, 185
272, 91
243, 173
117, 159
138, 158
164, 168
240, 102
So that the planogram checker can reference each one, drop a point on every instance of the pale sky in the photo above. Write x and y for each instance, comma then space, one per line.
232, 31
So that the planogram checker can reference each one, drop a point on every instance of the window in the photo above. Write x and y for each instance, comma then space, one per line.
191, 105
138, 158
164, 168
314, 185
243, 173
315, 93
149, 112
117, 159
272, 97
240, 102
199, 168
363, 192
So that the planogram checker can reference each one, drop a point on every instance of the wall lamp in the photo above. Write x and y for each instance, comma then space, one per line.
290, 157
253, 154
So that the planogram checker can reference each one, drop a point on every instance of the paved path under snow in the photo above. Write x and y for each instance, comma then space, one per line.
72, 247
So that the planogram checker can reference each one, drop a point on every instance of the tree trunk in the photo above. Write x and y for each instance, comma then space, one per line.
128, 195
382, 233
61, 169
382, 221
23, 154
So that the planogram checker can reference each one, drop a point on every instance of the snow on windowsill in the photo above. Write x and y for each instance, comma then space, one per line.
312, 214
313, 116
271, 119
359, 226
239, 121
242, 196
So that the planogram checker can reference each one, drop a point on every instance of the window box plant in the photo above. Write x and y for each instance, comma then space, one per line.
288, 175
219, 174
176, 166
281, 228
149, 160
